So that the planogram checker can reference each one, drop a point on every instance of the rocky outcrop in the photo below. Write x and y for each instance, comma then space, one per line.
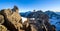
36, 21
12, 18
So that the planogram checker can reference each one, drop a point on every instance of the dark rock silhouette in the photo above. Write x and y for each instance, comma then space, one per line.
38, 20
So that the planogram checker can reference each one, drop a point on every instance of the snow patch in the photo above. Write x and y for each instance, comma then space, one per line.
23, 19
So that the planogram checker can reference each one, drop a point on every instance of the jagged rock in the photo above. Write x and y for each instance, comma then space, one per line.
12, 18
15, 9
1, 19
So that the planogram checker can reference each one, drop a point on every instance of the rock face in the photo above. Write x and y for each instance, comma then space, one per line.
12, 18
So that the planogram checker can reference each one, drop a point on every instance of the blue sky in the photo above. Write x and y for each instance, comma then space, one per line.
30, 5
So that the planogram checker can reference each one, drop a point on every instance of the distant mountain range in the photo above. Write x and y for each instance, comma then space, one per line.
57, 13
51, 14
25, 14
